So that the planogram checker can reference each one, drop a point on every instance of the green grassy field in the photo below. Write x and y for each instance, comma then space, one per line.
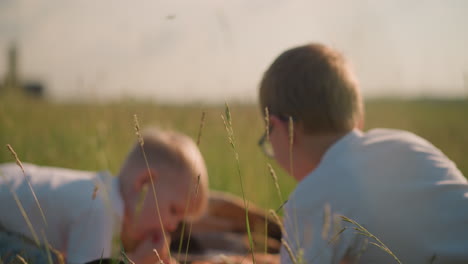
97, 137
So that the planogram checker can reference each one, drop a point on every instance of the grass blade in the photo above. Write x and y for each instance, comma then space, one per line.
24, 214
141, 141
15, 156
364, 232
228, 125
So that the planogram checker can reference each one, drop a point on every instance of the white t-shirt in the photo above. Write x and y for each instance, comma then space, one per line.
76, 222
395, 184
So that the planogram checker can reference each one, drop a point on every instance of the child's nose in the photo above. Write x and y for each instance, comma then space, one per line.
173, 222
177, 214
171, 226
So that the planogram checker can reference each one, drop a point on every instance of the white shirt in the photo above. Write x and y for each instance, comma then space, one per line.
397, 185
75, 223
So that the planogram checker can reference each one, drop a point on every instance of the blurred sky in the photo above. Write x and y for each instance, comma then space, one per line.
214, 50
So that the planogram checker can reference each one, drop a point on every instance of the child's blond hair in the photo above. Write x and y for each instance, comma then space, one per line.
170, 151
314, 85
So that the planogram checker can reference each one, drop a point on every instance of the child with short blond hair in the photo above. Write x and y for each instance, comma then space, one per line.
397, 185
84, 211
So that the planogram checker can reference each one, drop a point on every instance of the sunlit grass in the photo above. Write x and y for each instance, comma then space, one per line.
97, 137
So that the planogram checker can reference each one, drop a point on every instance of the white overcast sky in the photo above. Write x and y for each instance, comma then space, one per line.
215, 50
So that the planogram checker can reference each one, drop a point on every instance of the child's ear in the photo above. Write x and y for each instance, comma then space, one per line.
144, 177
279, 124
283, 126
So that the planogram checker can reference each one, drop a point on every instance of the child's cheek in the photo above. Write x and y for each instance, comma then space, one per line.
156, 238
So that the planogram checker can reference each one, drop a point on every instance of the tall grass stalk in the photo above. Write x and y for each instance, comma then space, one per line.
362, 231
267, 123
24, 214
295, 258
289, 250
267, 132
202, 123
141, 143
15, 156
332, 240
102, 256
291, 142
265, 242
326, 221
275, 181
47, 247
95, 191
191, 224
278, 220
227, 120
126, 258
21, 259
102, 134
141, 199
159, 257
291, 170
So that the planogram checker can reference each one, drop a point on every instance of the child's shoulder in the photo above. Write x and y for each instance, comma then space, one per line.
393, 137
52, 183
39, 171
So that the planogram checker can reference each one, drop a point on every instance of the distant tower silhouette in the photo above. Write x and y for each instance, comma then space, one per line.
465, 83
12, 79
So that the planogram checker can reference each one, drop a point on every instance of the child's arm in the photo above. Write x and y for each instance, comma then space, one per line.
145, 254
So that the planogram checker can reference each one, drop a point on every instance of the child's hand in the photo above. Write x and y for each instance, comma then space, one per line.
145, 254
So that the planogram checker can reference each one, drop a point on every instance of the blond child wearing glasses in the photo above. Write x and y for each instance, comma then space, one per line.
395, 184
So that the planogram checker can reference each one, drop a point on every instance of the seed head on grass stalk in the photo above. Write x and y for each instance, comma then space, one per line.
267, 123
275, 180
364, 232
21, 208
295, 258
25, 216
274, 213
141, 141
228, 125
15, 156
95, 191
21, 259
278, 220
326, 221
